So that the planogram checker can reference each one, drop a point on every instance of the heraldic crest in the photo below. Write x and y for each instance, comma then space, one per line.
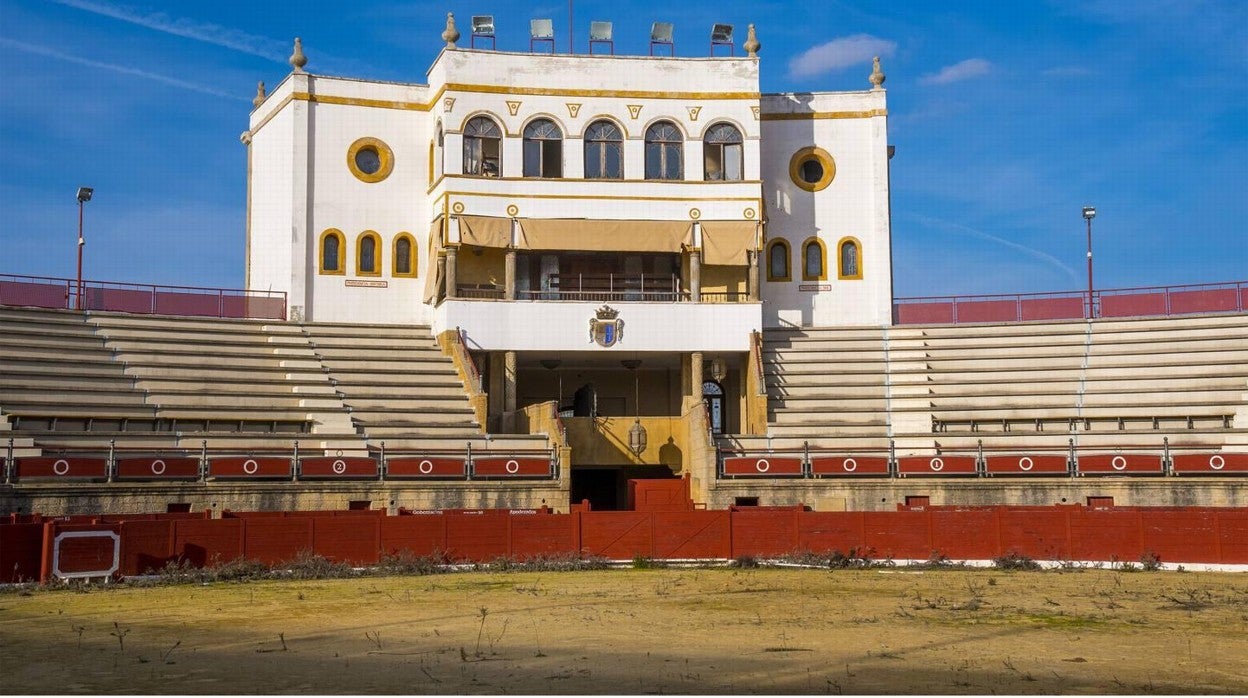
607, 328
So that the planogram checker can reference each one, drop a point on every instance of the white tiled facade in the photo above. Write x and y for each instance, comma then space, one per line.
301, 185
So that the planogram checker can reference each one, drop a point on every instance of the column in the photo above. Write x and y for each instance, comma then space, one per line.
695, 375
452, 254
752, 274
509, 275
695, 276
509, 392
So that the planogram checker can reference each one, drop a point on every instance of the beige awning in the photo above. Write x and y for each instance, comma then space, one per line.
726, 242
485, 231
604, 235
432, 280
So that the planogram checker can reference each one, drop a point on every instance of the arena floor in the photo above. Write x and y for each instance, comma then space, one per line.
642, 631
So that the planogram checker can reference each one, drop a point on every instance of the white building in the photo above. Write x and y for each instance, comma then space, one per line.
514, 195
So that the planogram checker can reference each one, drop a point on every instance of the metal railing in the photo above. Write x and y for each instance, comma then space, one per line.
147, 299
1144, 301
607, 288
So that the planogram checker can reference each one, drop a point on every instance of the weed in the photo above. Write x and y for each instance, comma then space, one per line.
309, 565
745, 562
1015, 561
1150, 561
642, 562
120, 633
483, 612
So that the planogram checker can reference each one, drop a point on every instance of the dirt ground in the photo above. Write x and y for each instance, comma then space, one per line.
641, 631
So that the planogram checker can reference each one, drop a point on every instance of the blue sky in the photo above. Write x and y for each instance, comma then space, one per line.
1007, 118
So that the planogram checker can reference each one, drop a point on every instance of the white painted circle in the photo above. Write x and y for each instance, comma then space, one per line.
60, 467
425, 467
1025, 463
1118, 463
340, 467
1217, 462
512, 467
849, 464
158, 467
937, 464
762, 465
250, 466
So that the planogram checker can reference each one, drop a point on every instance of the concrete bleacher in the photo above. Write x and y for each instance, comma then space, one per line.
1105, 384
73, 380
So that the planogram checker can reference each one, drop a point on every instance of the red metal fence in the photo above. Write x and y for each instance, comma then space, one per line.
32, 548
51, 292
1227, 297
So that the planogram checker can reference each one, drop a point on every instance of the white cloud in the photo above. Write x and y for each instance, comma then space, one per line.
964, 70
839, 53
973, 232
122, 69
200, 31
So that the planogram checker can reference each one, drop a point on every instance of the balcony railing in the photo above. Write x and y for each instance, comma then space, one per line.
51, 292
601, 288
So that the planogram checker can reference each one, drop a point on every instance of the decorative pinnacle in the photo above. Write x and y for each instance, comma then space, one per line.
751, 44
450, 35
877, 75
297, 59
259, 95
245, 138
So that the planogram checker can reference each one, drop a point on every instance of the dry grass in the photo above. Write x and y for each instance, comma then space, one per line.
647, 630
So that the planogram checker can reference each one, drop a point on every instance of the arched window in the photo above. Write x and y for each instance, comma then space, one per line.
778, 261
814, 260
713, 396
604, 151
404, 255
722, 154
663, 146
849, 259
330, 249
543, 149
367, 254
483, 148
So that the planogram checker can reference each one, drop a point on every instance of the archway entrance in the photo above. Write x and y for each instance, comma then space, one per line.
606, 487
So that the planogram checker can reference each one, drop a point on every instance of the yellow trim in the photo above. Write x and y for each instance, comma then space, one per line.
840, 273
603, 198
394, 256
359, 253
384, 155
342, 253
788, 260
805, 155
823, 259
825, 115
361, 102
431, 148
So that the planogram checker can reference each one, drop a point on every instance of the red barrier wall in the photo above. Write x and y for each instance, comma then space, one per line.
21, 550
146, 546
936, 313
419, 535
764, 531
988, 311
692, 534
208, 542
352, 539
1133, 304
1051, 308
157, 468
617, 535
828, 531
274, 541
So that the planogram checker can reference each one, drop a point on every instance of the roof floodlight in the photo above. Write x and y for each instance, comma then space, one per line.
662, 34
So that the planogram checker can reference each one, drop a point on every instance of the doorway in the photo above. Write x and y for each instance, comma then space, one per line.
606, 488
713, 395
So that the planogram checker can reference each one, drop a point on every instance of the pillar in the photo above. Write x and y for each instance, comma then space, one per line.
752, 274
509, 391
509, 275
695, 376
695, 276
452, 255
440, 292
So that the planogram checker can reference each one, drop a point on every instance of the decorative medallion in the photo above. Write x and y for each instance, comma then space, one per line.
695, 214
573, 109
606, 328
513, 107
634, 110
756, 110
693, 112
448, 104
749, 214
513, 210
457, 207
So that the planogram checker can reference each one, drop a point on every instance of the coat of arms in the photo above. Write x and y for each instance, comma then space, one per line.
607, 328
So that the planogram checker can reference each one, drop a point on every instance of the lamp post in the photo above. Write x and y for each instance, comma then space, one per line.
84, 195
1089, 212
637, 436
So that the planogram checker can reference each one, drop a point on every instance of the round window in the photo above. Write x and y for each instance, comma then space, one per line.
812, 168
370, 160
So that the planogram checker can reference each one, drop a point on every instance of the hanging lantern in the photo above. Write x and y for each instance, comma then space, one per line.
718, 369
637, 438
